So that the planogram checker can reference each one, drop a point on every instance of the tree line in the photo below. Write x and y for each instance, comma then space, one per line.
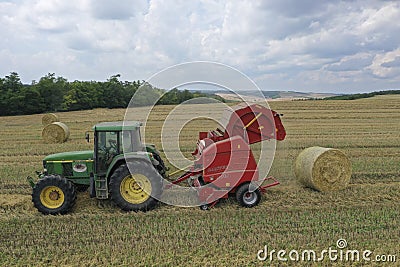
51, 94
363, 95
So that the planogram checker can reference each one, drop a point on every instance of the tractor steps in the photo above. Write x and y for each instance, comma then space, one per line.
101, 188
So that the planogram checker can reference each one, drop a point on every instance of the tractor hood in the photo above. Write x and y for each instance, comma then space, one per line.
73, 155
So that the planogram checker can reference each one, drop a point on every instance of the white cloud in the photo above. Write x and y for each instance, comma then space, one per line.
386, 65
288, 44
379, 19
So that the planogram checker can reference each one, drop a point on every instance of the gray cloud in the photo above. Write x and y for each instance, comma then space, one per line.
116, 10
352, 63
392, 64
79, 43
295, 8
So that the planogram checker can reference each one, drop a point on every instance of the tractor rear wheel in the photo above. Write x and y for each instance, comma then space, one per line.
54, 195
246, 197
136, 191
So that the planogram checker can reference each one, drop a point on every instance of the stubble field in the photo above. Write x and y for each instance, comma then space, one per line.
289, 217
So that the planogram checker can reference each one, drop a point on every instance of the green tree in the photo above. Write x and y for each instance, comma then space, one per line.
146, 95
32, 101
12, 82
12, 101
81, 95
3, 98
52, 91
117, 94
184, 95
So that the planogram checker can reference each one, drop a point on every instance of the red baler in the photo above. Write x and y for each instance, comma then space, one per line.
224, 162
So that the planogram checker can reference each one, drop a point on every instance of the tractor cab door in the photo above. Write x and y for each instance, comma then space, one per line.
110, 144
107, 146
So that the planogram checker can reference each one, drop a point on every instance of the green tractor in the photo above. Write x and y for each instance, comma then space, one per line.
120, 168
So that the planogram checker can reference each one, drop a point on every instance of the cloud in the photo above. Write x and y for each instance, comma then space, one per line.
386, 65
116, 10
351, 63
295, 8
311, 45
392, 64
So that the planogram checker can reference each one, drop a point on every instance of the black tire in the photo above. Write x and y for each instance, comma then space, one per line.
246, 198
128, 194
54, 195
161, 166
81, 187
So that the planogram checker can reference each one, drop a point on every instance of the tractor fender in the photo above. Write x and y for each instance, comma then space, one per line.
151, 148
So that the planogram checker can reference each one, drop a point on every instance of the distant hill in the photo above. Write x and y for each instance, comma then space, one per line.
292, 95
270, 95
363, 95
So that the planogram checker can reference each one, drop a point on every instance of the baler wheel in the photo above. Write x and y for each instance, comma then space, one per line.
204, 207
246, 197
54, 195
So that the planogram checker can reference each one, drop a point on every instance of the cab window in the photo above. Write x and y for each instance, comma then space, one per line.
107, 148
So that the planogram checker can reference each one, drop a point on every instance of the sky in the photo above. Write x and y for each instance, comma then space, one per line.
308, 46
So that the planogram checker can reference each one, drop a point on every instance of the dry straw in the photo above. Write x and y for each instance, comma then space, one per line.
57, 132
324, 169
49, 118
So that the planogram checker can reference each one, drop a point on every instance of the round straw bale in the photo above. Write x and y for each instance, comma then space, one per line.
49, 118
323, 169
57, 132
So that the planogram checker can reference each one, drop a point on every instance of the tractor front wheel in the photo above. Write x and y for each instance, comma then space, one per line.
136, 191
246, 197
54, 195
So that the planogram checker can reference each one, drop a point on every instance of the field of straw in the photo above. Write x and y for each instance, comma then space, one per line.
290, 217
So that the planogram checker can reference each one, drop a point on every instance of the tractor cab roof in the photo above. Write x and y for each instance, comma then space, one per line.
117, 126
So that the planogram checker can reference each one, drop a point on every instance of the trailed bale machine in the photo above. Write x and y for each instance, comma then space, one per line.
224, 163
131, 173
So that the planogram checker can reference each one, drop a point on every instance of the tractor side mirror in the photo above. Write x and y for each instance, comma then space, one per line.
87, 137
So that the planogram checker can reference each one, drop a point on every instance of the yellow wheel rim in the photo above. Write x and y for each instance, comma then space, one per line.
136, 188
52, 197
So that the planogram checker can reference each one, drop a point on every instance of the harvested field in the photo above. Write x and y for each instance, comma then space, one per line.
290, 216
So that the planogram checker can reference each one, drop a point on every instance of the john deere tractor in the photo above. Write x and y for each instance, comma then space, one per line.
120, 167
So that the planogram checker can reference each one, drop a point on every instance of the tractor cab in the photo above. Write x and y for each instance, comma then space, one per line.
116, 144
112, 139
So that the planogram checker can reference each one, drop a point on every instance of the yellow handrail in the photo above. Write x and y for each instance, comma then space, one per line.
252, 121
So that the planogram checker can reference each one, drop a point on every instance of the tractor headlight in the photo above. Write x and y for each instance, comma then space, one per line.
44, 167
150, 156
153, 160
